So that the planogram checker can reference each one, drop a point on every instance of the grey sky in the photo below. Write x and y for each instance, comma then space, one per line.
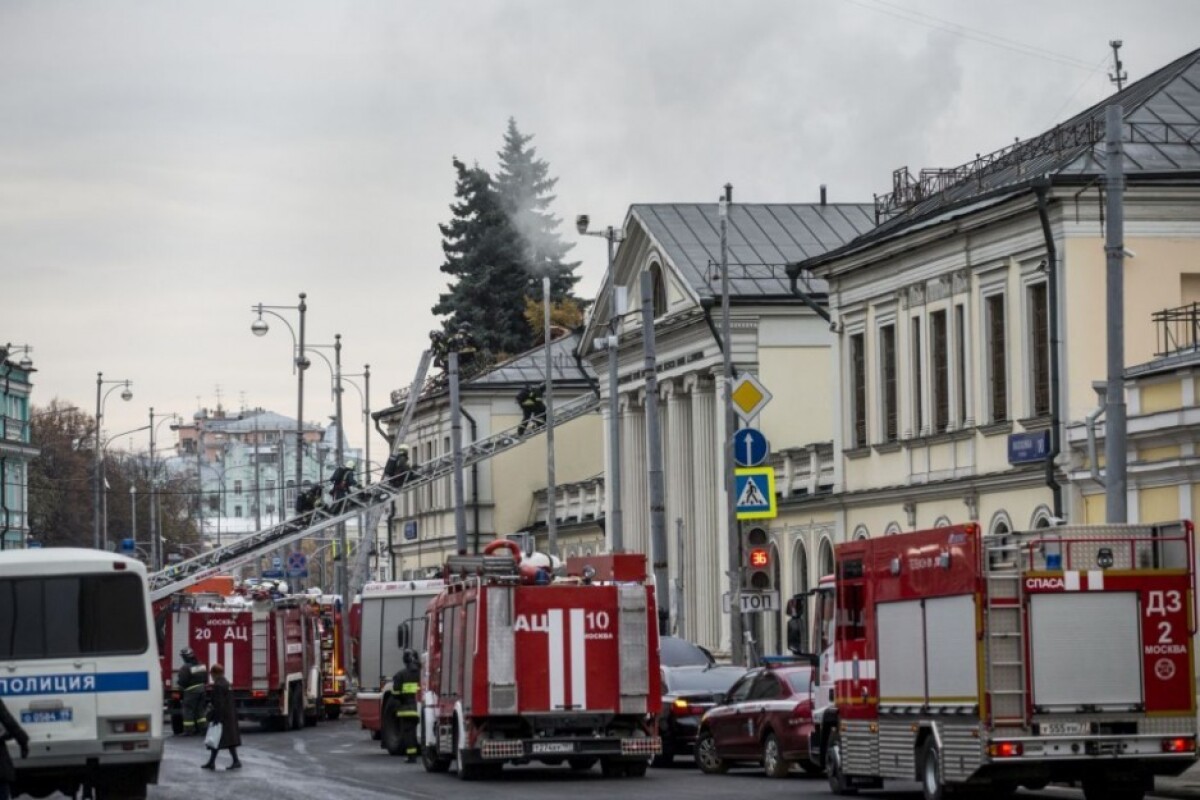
164, 166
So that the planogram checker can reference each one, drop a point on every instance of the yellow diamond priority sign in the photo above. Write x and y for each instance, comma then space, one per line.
749, 396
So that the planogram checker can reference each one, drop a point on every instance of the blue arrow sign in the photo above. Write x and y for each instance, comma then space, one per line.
749, 447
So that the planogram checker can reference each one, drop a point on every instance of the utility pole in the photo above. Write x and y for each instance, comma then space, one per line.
551, 494
460, 512
617, 302
1117, 76
736, 645
658, 514
1114, 248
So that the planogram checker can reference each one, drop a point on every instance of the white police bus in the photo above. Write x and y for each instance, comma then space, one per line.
79, 671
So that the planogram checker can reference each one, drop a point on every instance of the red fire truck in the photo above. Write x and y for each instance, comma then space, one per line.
270, 649
524, 667
1060, 654
334, 678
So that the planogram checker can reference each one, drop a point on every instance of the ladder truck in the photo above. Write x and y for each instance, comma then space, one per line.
988, 663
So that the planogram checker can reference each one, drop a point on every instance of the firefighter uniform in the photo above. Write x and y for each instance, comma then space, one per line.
405, 686
192, 680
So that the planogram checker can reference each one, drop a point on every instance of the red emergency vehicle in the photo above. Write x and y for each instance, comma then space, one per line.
1060, 654
270, 649
334, 677
525, 667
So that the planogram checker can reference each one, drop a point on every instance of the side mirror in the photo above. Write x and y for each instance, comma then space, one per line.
402, 635
718, 698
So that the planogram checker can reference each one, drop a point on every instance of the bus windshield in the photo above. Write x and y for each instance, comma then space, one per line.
67, 616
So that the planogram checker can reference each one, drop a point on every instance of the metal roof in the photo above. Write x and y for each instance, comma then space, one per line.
1160, 133
530, 366
761, 238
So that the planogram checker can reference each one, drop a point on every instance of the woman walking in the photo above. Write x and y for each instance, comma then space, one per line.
225, 714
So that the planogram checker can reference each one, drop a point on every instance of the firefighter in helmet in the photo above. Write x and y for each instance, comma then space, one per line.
192, 680
405, 685
398, 469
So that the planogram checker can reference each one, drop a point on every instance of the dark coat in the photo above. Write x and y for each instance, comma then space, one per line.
225, 712
11, 731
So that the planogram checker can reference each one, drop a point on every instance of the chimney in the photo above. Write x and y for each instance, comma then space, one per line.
822, 194
729, 193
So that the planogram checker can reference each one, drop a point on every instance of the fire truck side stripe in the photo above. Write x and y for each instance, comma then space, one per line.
1071, 580
228, 663
578, 661
1095, 580
557, 655
212, 654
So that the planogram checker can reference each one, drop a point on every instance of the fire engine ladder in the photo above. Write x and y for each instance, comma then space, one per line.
1005, 641
375, 498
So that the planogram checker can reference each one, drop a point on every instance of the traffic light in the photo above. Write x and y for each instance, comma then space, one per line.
758, 573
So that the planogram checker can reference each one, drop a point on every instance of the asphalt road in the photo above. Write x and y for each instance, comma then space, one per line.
339, 760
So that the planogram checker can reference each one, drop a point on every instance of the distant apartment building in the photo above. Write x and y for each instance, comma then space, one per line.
16, 370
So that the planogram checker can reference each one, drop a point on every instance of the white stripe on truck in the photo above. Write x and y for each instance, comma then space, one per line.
557, 656
578, 661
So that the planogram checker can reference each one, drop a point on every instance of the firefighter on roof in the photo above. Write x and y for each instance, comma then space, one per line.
405, 686
192, 680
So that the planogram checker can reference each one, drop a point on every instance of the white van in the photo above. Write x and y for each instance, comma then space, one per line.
79, 671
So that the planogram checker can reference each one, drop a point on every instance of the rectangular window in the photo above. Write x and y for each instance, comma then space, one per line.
67, 616
918, 393
214, 502
1039, 346
938, 341
997, 361
960, 364
237, 488
887, 357
858, 389
237, 511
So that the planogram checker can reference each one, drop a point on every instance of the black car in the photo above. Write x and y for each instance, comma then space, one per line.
688, 692
676, 652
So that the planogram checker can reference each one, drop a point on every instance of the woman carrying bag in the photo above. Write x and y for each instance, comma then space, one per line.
223, 723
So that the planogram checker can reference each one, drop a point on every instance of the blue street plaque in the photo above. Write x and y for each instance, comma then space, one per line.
272, 573
410, 530
276, 562
749, 447
1028, 448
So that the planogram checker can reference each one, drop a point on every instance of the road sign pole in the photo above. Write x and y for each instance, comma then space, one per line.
737, 651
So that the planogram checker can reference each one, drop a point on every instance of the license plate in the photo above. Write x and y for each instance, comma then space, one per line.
553, 747
57, 715
1061, 728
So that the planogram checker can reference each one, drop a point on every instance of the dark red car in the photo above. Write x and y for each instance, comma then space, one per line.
765, 719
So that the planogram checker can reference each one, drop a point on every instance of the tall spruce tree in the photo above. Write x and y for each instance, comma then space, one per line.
525, 190
485, 260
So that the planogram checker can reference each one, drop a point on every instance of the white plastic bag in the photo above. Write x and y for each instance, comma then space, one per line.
212, 739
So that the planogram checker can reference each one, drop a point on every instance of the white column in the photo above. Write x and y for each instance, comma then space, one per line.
635, 509
679, 499
706, 513
609, 466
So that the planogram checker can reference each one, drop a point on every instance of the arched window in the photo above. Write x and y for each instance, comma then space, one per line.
826, 558
799, 568
659, 289
942, 522
861, 532
1042, 518
892, 528
1001, 524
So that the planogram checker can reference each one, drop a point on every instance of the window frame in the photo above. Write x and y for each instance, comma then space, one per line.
939, 371
1038, 363
889, 384
859, 430
997, 386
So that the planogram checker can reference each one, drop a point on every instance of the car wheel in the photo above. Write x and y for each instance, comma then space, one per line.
707, 759
838, 782
773, 762
931, 772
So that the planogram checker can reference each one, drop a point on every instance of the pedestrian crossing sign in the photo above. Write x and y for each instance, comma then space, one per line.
754, 489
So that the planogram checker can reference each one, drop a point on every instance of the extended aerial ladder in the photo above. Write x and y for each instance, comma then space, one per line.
372, 500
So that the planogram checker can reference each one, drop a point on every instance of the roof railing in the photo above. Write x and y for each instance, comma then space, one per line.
1178, 329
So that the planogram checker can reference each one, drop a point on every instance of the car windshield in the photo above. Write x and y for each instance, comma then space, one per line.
694, 679
674, 652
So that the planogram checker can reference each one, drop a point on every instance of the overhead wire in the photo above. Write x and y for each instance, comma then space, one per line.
983, 37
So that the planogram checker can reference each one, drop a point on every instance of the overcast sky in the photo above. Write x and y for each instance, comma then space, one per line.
166, 165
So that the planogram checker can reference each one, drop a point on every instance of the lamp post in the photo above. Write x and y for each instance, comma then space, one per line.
101, 398
365, 396
611, 344
155, 543
299, 363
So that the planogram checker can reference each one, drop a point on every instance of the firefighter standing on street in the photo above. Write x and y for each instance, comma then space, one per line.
405, 686
192, 681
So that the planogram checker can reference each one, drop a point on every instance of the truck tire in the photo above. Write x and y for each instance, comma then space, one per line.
773, 762
127, 789
432, 761
177, 724
389, 729
838, 782
581, 764
930, 767
706, 755
636, 769
612, 768
296, 707
332, 712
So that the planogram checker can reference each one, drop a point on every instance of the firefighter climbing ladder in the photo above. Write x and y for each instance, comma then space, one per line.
1005, 645
373, 499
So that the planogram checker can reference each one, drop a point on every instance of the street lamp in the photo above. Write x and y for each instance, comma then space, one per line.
365, 396
617, 307
101, 398
155, 543
299, 363
10, 349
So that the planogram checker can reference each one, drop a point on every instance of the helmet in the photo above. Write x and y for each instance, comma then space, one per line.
402, 449
186, 653
411, 659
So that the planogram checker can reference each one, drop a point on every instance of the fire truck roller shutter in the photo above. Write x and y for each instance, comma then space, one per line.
635, 648
901, 662
501, 656
1097, 629
950, 650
